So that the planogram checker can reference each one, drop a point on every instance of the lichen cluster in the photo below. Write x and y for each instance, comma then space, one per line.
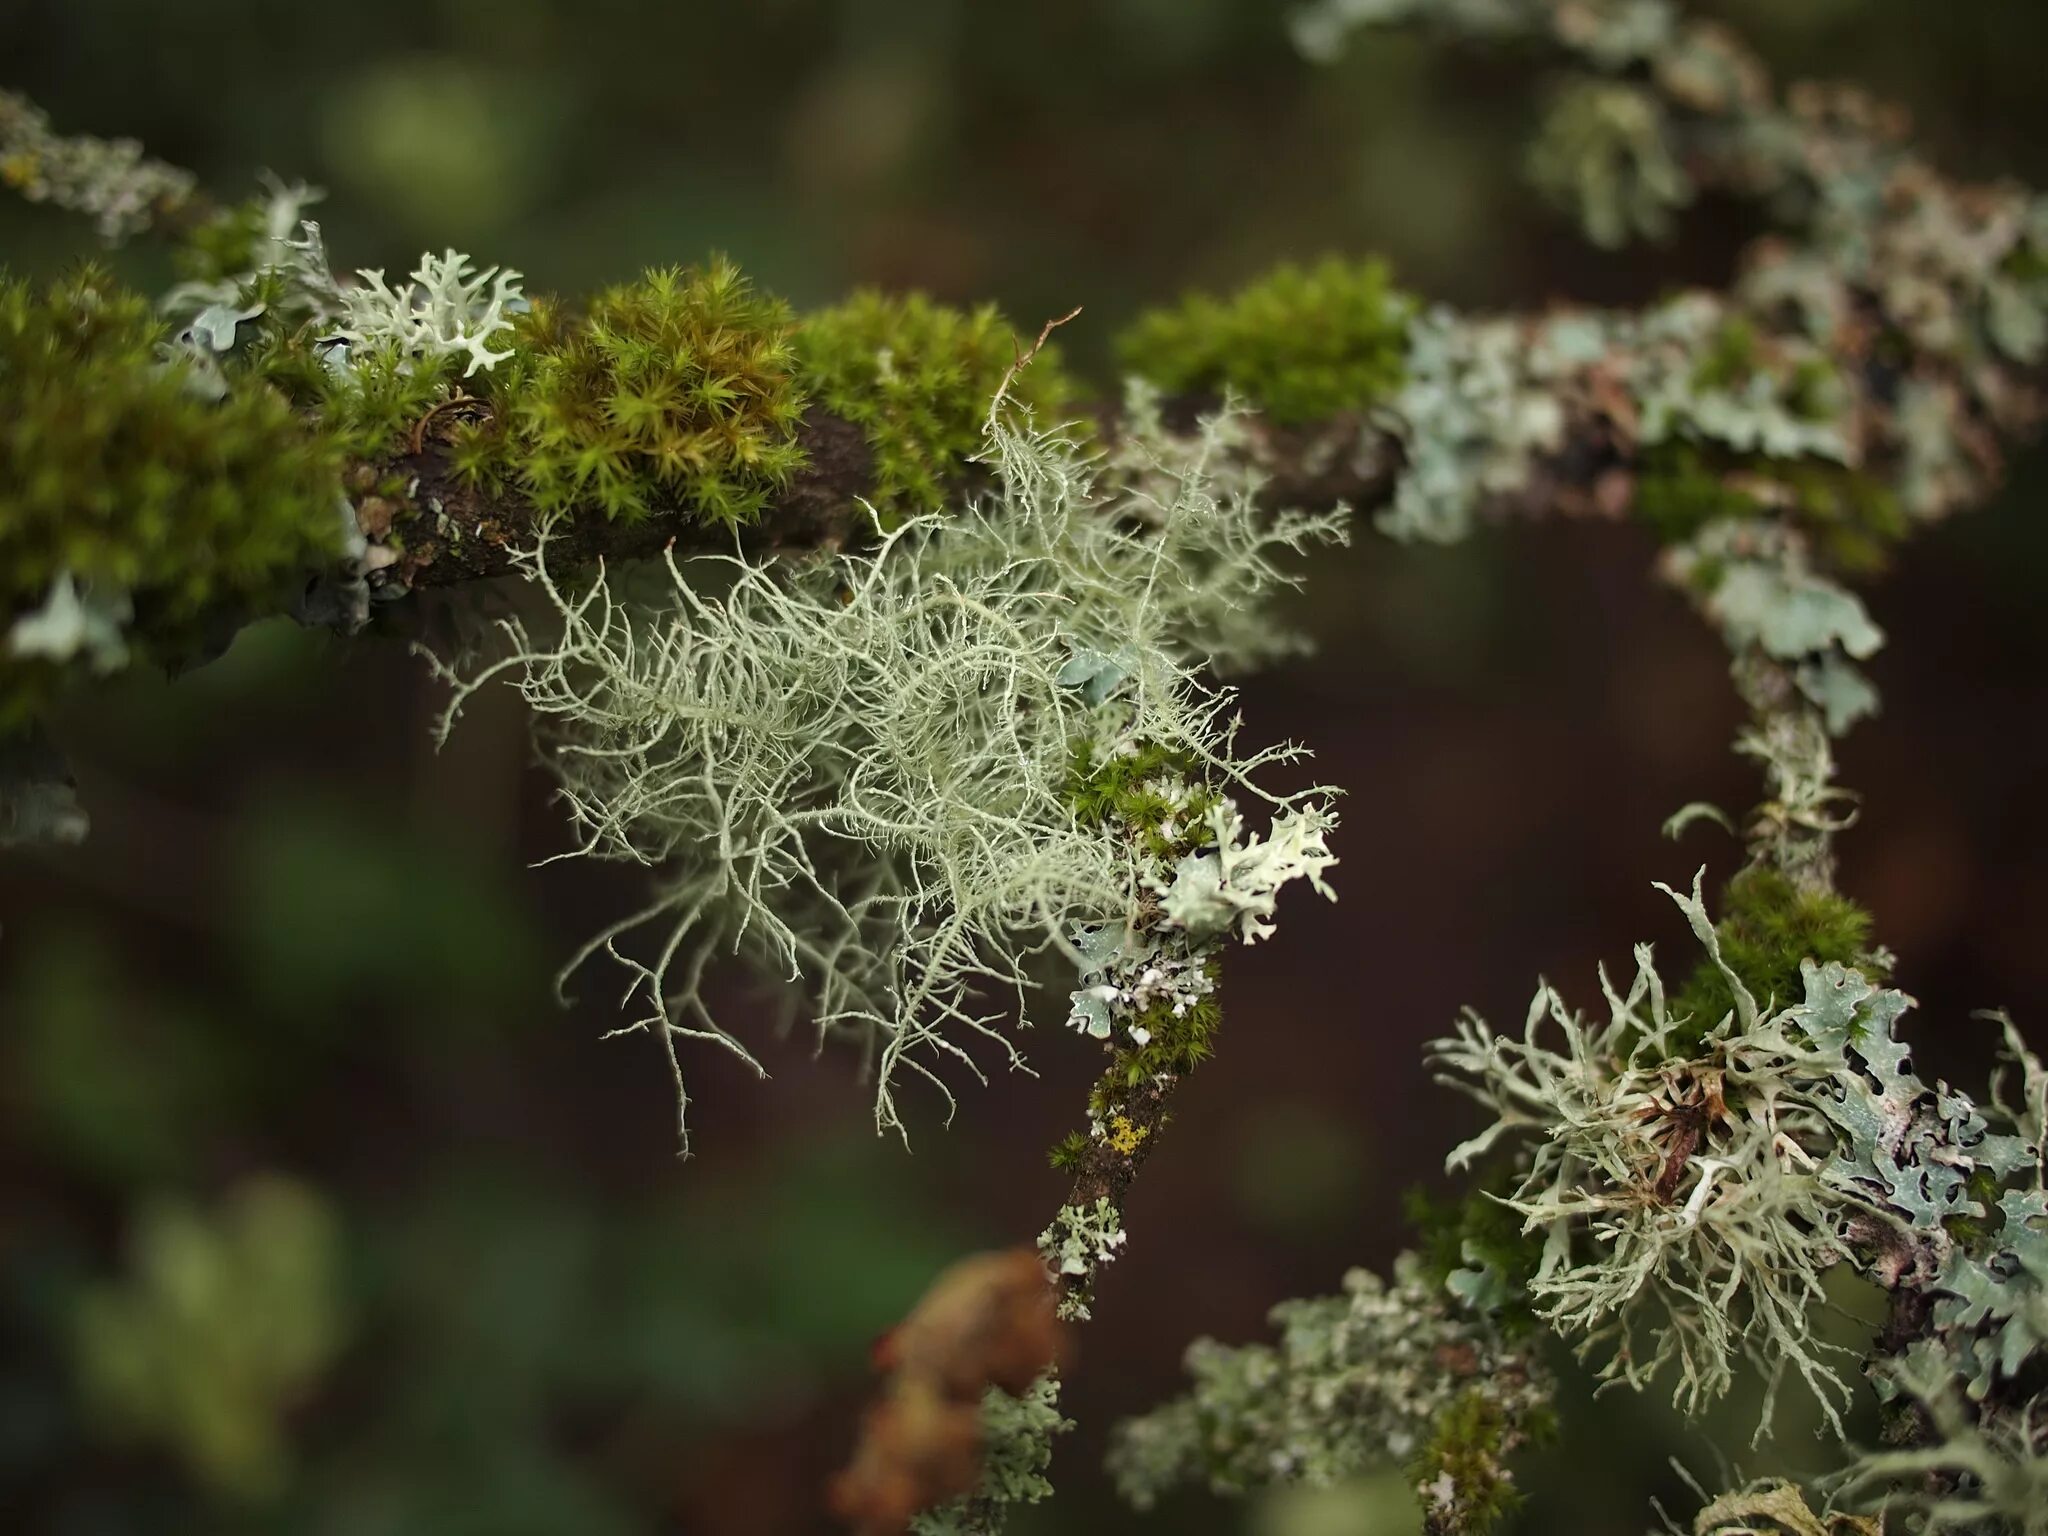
859, 771
111, 181
227, 1316
1385, 1374
1692, 1186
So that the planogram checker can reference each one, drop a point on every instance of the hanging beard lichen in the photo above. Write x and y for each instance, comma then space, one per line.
859, 771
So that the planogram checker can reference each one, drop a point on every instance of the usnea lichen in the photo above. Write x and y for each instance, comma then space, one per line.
858, 771
1693, 1178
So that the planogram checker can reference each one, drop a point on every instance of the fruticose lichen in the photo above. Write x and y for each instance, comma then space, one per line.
109, 180
858, 771
1300, 343
1694, 1177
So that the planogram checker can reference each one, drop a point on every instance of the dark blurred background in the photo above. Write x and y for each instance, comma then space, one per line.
302, 945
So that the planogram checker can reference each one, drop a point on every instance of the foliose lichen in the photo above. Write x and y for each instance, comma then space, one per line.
1387, 1374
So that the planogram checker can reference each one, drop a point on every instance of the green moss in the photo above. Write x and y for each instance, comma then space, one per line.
371, 407
1731, 358
917, 377
1469, 1444
1680, 490
1179, 1043
120, 473
1301, 343
223, 246
1069, 1152
1474, 1231
677, 391
1853, 518
1119, 789
1767, 927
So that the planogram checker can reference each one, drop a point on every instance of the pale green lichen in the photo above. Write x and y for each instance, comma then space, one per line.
857, 771
1685, 1216
447, 310
110, 180
1383, 1375
1081, 1241
1016, 1451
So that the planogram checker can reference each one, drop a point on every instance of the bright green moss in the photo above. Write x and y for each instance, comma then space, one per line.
370, 407
121, 477
1119, 789
1679, 492
1301, 343
916, 377
1768, 926
674, 392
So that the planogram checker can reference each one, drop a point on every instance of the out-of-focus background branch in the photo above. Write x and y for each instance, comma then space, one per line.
301, 946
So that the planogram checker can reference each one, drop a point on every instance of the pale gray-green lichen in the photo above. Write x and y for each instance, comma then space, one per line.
1080, 1242
1016, 1435
1357, 1382
858, 770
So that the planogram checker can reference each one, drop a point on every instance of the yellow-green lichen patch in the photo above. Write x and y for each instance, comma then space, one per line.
1300, 343
917, 377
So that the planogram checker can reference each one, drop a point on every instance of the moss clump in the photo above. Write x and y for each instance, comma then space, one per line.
1852, 518
1069, 1152
1681, 490
223, 246
1477, 1231
1127, 788
678, 391
370, 407
1463, 1467
1301, 343
1179, 1043
122, 476
917, 377
1767, 927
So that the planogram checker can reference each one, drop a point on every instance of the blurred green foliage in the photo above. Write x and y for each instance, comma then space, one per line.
226, 1318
